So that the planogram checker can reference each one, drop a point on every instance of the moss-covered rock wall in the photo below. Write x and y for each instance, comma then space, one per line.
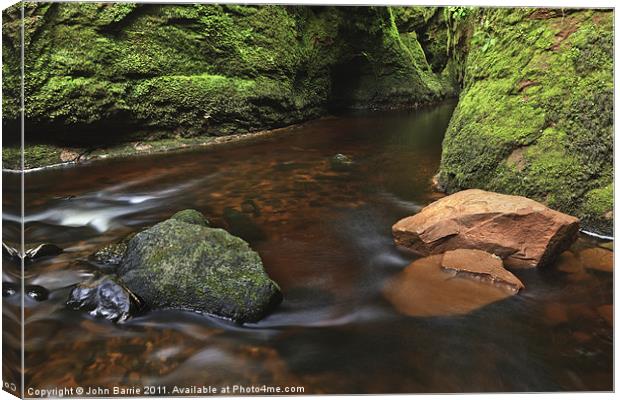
535, 116
143, 71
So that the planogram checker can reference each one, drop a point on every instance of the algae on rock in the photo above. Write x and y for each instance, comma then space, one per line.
103, 73
186, 265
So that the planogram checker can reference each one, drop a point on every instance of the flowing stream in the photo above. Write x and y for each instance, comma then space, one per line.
325, 237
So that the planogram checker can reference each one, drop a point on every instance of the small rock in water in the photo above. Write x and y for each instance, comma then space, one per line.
482, 265
8, 289
105, 297
437, 185
37, 293
242, 225
67, 155
597, 258
340, 162
249, 207
191, 217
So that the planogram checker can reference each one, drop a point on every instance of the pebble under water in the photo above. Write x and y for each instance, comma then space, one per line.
324, 235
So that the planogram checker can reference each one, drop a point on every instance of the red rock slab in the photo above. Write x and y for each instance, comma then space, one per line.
481, 265
523, 232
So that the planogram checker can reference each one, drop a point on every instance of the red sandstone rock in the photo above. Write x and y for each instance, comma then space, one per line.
479, 264
523, 232
425, 289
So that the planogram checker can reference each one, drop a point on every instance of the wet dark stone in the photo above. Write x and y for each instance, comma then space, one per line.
37, 293
240, 224
8, 289
340, 162
207, 270
105, 297
249, 207
289, 166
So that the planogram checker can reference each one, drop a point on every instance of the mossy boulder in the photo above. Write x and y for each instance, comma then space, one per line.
535, 117
181, 265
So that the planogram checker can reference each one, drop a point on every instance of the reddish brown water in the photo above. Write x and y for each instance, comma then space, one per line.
327, 243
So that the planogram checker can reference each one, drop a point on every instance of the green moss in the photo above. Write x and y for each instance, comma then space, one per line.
34, 156
412, 19
191, 217
11, 157
599, 201
204, 69
535, 116
181, 265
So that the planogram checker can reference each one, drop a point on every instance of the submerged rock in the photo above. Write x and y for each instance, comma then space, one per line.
242, 225
523, 232
480, 265
250, 207
340, 162
426, 289
597, 258
105, 297
175, 264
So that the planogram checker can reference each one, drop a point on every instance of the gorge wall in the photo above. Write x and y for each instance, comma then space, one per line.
142, 71
535, 117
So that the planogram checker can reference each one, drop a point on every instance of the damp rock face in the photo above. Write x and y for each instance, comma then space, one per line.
523, 232
481, 265
181, 265
105, 297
